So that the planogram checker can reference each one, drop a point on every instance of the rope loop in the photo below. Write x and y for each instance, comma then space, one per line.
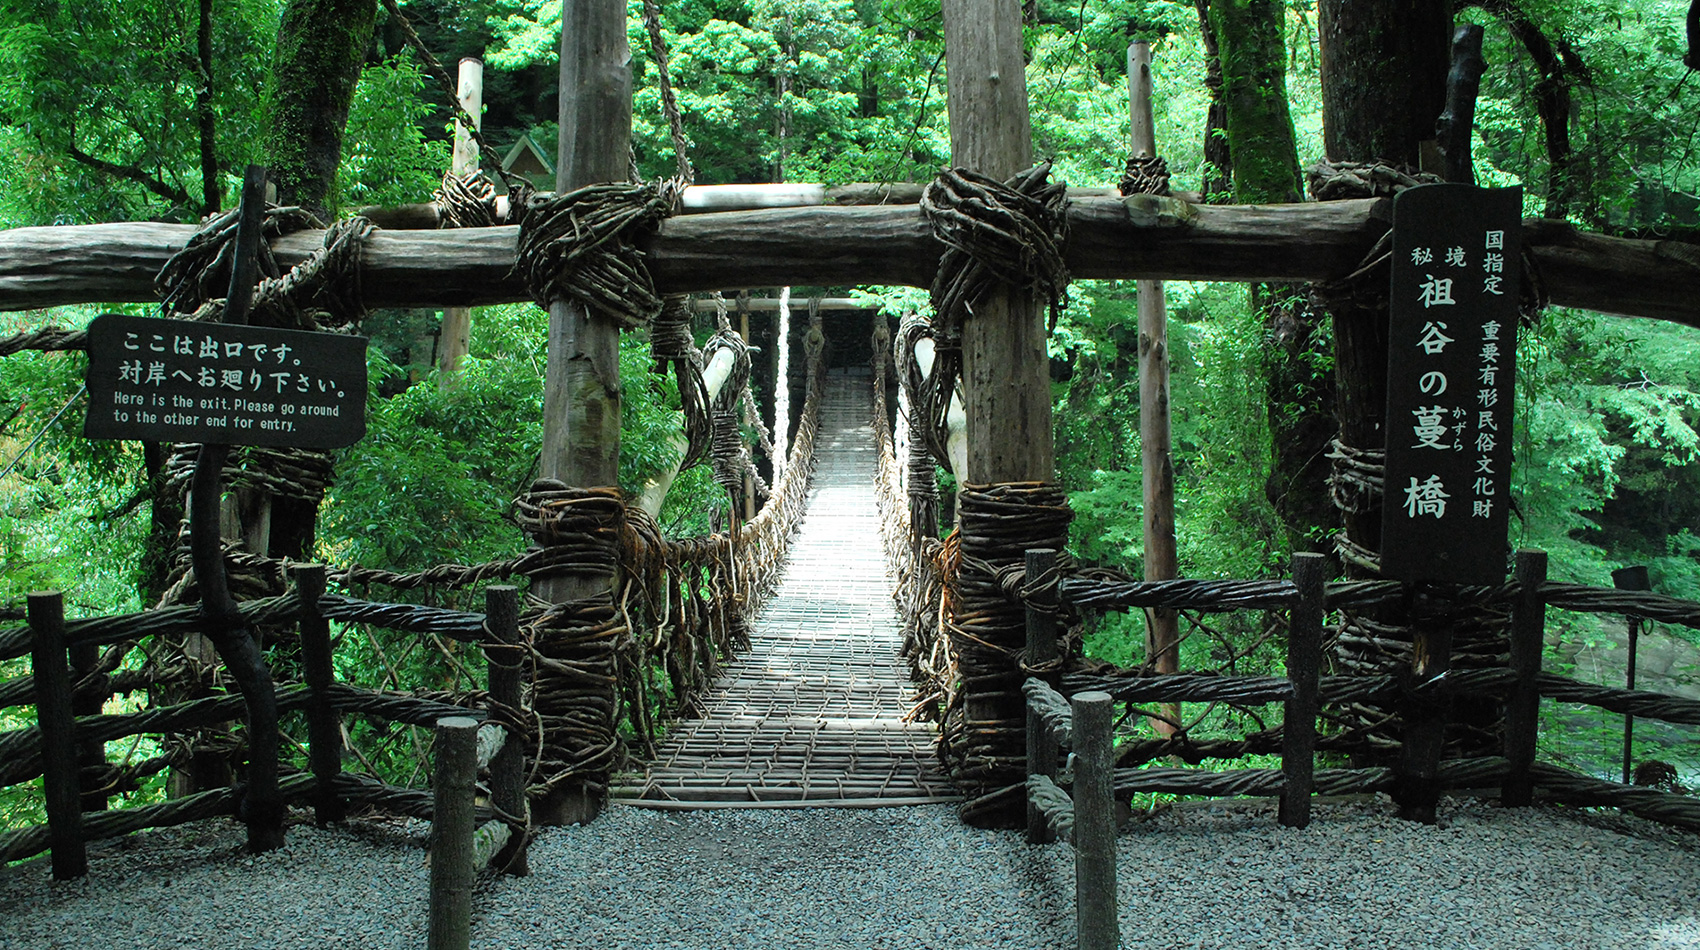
1145, 175
466, 201
998, 234
580, 246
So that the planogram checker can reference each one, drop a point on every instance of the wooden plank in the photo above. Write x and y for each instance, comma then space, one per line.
455, 336
59, 780
1522, 708
91, 753
104, 263
1304, 662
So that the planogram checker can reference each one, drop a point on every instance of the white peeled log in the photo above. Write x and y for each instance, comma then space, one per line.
714, 375
956, 418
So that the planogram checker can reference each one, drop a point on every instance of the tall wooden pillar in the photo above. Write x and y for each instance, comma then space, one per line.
1006, 382
1005, 386
581, 394
455, 340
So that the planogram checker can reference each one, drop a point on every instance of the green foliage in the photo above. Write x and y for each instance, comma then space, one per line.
116, 83
386, 158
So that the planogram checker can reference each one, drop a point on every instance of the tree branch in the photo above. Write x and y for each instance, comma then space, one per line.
131, 173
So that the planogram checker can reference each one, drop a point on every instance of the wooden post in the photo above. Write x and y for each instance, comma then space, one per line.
1631, 578
1157, 464
1095, 822
452, 818
1425, 712
581, 395
1463, 82
1005, 379
507, 769
262, 803
1006, 382
456, 336
1041, 744
1304, 660
324, 731
91, 754
749, 479
1522, 709
59, 778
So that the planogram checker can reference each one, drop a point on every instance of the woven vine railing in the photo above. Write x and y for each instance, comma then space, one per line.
678, 608
1518, 684
67, 750
915, 563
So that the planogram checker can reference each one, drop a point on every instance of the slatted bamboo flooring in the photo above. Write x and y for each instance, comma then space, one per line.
812, 713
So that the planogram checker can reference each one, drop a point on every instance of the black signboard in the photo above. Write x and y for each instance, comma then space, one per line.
1451, 374
185, 381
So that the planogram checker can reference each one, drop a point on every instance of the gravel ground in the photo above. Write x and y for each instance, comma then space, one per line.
1216, 875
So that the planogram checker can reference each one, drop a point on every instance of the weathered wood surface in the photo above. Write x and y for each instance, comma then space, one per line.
104, 263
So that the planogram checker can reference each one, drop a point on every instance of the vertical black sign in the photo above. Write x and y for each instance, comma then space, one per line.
1451, 375
184, 381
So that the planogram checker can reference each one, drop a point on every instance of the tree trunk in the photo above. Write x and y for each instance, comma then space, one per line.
321, 45
1383, 85
1250, 42
1218, 163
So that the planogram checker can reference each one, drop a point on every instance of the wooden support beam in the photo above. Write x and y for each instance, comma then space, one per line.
1304, 662
1006, 382
1156, 459
581, 387
324, 725
455, 338
452, 824
1523, 706
110, 263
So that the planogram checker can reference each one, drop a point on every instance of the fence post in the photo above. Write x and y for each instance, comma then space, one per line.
85, 657
1095, 822
1424, 706
59, 779
324, 731
1304, 660
507, 769
1041, 744
452, 825
1522, 709
1631, 578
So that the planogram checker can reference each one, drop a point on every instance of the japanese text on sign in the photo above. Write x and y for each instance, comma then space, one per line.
1451, 368
184, 381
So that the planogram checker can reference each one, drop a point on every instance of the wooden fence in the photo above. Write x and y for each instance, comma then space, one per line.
66, 746
1422, 695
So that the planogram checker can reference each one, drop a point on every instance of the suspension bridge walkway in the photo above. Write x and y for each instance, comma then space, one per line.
813, 711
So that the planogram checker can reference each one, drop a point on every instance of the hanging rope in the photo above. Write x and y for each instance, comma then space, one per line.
579, 246
515, 183
672, 343
669, 103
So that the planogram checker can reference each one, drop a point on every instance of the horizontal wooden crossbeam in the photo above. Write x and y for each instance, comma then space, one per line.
887, 244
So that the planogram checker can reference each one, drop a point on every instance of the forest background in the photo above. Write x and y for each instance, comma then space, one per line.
149, 109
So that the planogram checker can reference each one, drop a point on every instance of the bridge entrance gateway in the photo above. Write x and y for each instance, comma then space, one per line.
813, 711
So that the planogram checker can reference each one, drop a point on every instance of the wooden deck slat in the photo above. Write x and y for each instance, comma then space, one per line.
813, 711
